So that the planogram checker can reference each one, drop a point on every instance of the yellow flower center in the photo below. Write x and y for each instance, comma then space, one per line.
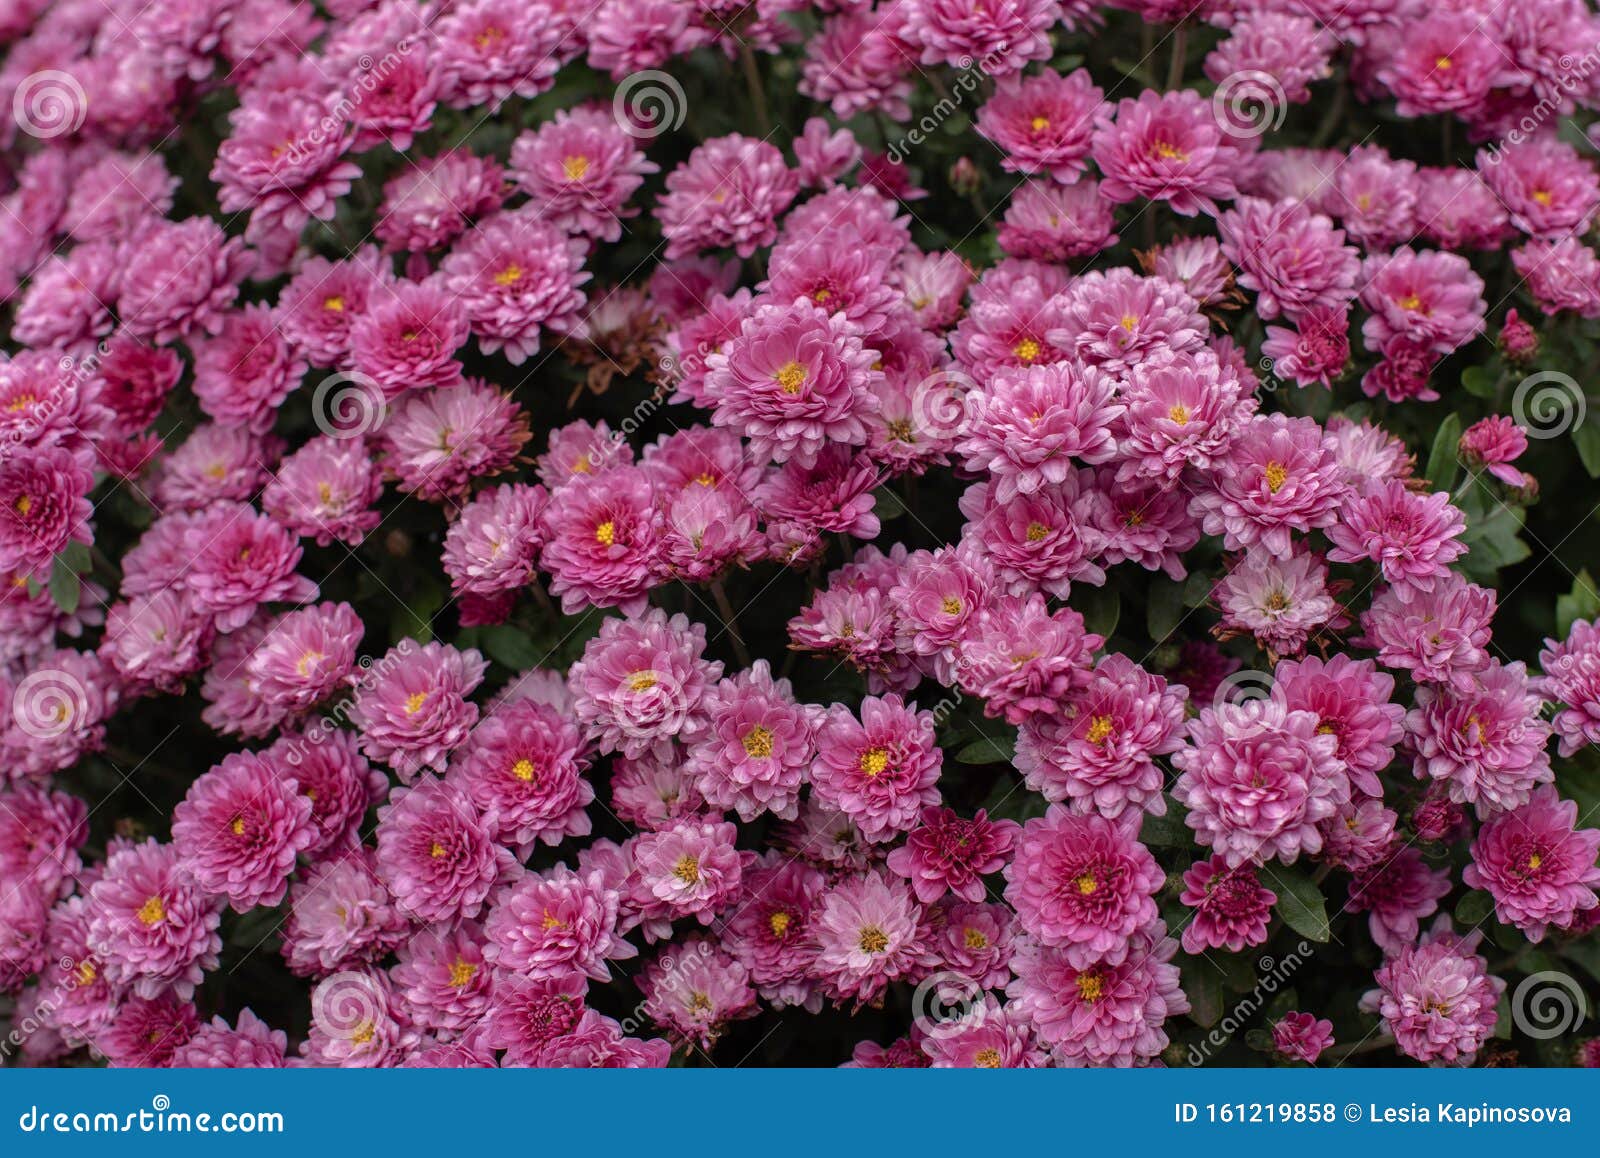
237, 827
642, 681
1026, 350
758, 743
415, 701
1168, 152
86, 973
606, 533
873, 940
1276, 474
152, 912
1179, 414
575, 167
1086, 884
1037, 531
873, 761
364, 1033
779, 923
1442, 63
1128, 322
1543, 196
21, 402
987, 1058
687, 870
523, 770
335, 304
1099, 729
462, 973
1039, 124
304, 664
1090, 986
975, 939
1409, 302
489, 37
1534, 861
510, 275
23, 505
436, 850
951, 605
790, 377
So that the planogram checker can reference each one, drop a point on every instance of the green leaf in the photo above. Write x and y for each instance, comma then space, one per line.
1474, 909
1165, 609
1582, 602
1202, 983
1476, 381
1441, 470
511, 647
65, 587
76, 556
886, 504
1100, 607
1300, 901
1167, 831
1586, 437
989, 750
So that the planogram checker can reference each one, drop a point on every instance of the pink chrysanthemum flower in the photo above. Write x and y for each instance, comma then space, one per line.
1280, 476
1281, 602
358, 1022
653, 791
44, 494
641, 681
758, 746
1440, 636
1180, 411
526, 1015
1550, 190
1083, 883
556, 924
859, 60
523, 766
869, 930
581, 168
1049, 222
989, 1036
156, 641
1022, 659
694, 988
327, 490
1301, 1036
340, 917
1399, 891
304, 656
688, 868
1291, 256
768, 930
493, 545
218, 1045
179, 277
948, 853
729, 192
145, 1032
1537, 864
434, 200
1485, 739
1167, 147
1493, 444
215, 462
602, 541
408, 337
415, 710
1351, 700
438, 441
1437, 998
1430, 299
151, 925
1003, 431
1570, 675
284, 188
1257, 778
880, 770
1039, 542
329, 771
1043, 123
1316, 352
443, 977
240, 829
491, 50
434, 851
1005, 35
1118, 319
323, 299
1100, 755
1231, 907
239, 560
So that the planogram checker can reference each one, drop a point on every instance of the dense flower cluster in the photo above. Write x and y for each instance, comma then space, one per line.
553, 585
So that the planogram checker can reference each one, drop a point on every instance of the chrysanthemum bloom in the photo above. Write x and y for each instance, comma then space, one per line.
1436, 817
1368, 453
768, 929
1004, 35
1003, 434
903, 1053
988, 1036
523, 766
859, 60
145, 1032
1083, 883
1437, 997
1179, 411
526, 1014
973, 939
358, 1022
1281, 602
434, 851
758, 745
44, 493
1485, 739
438, 441
1560, 276
1550, 190
1493, 444
1301, 1036
179, 277
491, 50
1291, 48
1256, 780
1100, 1015
1010, 320
323, 299
1400, 891
580, 169
113, 194
1022, 659
640, 683
730, 192
802, 503
432, 201
933, 285
213, 463
869, 930
1167, 147
132, 380
1441, 636
1316, 352
239, 560
65, 304
443, 977
881, 770
1049, 222
1430, 299
231, 709
694, 988
838, 270
41, 833
1537, 864
156, 641
948, 853
1292, 257
937, 595
1280, 476
1042, 123
415, 710
284, 188
1445, 62
1459, 211
602, 541
1518, 340
151, 925
1570, 675
304, 656
340, 917
687, 868
493, 545
554, 924
823, 155
1351, 700
408, 337
328, 770
1100, 754
1118, 319
1039, 542
1373, 195
516, 276
597, 1042
218, 1045
240, 829
1231, 907
654, 790
327, 490
795, 379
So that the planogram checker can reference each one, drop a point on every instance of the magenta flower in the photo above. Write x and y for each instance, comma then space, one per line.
556, 924
1399, 891
758, 746
1485, 740
1280, 476
523, 767
602, 541
1301, 1036
948, 853
880, 770
869, 930
640, 683
1231, 907
1043, 123
1167, 147
434, 851
1437, 997
44, 494
1493, 444
414, 711
729, 192
240, 829
151, 925
408, 337
1537, 864
304, 656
